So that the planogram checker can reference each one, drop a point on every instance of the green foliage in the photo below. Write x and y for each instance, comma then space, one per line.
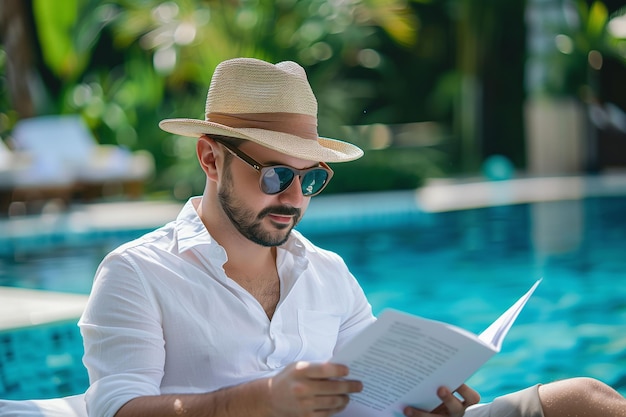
55, 25
7, 116
581, 43
125, 65
386, 169
67, 34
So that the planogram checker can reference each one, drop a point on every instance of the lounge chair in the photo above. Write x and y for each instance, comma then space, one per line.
98, 170
24, 179
71, 406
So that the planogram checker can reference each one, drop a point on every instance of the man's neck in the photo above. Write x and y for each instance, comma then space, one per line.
251, 265
241, 251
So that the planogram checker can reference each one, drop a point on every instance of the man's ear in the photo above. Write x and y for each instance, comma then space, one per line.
208, 151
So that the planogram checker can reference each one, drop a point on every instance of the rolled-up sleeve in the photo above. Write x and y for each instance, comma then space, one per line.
123, 338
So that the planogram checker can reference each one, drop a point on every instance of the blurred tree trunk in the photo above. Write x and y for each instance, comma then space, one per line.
476, 22
490, 51
469, 62
15, 35
503, 83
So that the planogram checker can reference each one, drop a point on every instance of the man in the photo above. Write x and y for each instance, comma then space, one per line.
228, 311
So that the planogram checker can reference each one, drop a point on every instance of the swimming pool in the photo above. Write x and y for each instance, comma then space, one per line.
464, 267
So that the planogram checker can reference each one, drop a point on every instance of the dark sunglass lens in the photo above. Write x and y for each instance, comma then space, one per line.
276, 179
313, 181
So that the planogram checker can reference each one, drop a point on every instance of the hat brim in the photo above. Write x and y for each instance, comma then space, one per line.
321, 150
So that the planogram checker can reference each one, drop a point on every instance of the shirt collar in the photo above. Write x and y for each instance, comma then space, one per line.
192, 233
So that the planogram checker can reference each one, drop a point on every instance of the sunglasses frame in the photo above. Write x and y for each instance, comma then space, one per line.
260, 168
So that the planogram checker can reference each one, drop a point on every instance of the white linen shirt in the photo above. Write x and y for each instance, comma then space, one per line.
163, 317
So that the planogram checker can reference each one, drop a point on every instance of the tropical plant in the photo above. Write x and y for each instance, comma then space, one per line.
124, 65
575, 47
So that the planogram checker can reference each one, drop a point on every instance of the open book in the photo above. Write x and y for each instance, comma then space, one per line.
402, 359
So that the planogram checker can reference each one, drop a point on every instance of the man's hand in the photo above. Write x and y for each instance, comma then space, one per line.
451, 406
304, 389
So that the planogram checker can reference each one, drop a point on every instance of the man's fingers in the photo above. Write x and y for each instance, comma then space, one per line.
322, 379
470, 396
454, 406
451, 405
337, 386
321, 370
331, 402
325, 387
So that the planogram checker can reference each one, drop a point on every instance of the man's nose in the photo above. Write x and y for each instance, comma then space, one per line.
293, 194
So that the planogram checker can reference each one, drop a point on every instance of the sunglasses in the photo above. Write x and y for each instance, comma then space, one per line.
275, 179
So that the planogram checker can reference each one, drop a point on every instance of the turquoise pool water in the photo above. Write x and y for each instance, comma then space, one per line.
467, 267
463, 267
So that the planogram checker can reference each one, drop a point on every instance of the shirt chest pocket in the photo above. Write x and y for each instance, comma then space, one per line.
318, 331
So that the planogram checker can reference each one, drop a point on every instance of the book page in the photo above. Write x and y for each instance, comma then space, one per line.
494, 334
402, 359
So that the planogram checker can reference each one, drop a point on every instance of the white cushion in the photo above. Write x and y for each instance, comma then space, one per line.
67, 141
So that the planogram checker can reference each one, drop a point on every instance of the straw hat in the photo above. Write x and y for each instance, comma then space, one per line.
272, 105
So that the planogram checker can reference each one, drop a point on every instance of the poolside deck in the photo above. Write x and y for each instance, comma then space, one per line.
446, 195
22, 308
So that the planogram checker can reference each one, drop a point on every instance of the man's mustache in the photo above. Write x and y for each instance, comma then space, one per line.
281, 210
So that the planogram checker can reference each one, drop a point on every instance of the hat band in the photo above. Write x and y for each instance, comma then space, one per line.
302, 125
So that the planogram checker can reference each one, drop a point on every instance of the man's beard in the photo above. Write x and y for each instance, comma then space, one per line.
249, 224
